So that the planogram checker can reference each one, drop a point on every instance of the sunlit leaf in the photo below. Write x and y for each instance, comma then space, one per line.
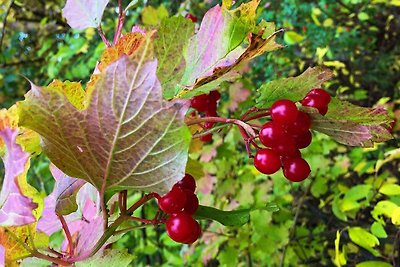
82, 14
110, 257
294, 88
153, 16
128, 137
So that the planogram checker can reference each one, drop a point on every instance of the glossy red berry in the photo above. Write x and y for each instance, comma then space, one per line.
301, 125
296, 169
285, 146
315, 102
214, 95
200, 102
191, 17
192, 202
297, 154
187, 182
181, 227
206, 138
270, 132
303, 140
174, 201
267, 161
322, 94
284, 111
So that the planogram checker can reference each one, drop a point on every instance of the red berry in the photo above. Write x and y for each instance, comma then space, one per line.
322, 94
303, 140
270, 132
206, 138
209, 125
296, 169
214, 95
297, 154
284, 111
301, 125
181, 227
187, 182
200, 103
285, 146
315, 102
191, 17
267, 161
173, 201
192, 202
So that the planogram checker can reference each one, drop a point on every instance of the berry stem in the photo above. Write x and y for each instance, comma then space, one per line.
121, 20
67, 234
257, 116
252, 110
147, 221
114, 226
103, 37
237, 122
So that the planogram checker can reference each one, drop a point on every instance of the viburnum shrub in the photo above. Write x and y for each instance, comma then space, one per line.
152, 92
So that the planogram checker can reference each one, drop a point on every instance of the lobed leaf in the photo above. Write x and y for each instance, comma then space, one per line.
127, 137
353, 125
15, 207
294, 88
82, 14
215, 50
168, 46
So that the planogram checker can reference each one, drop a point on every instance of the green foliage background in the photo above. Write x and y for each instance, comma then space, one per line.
346, 213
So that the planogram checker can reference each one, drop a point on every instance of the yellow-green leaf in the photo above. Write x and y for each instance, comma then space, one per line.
292, 37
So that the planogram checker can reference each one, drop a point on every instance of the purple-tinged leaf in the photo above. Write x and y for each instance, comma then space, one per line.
352, 125
82, 14
69, 193
215, 54
128, 137
87, 237
2, 256
15, 208
218, 41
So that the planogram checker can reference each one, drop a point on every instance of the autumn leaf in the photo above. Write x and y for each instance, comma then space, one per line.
82, 14
127, 137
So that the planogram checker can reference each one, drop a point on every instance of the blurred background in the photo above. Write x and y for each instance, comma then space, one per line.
349, 189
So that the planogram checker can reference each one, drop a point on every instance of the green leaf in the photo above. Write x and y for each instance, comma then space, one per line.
215, 49
356, 197
384, 207
153, 16
230, 218
168, 47
378, 230
390, 189
352, 125
374, 264
291, 37
127, 137
340, 257
363, 16
294, 88
228, 257
110, 257
362, 237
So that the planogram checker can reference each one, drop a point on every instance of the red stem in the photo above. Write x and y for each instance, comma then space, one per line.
252, 110
146, 221
103, 37
67, 234
121, 20
257, 116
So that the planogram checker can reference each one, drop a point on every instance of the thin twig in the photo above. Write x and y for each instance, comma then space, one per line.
121, 20
103, 37
67, 234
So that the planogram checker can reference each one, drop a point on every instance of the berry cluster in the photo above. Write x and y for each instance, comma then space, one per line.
206, 104
181, 203
286, 133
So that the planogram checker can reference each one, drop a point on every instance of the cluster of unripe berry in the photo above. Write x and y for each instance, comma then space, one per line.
286, 133
207, 105
181, 203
